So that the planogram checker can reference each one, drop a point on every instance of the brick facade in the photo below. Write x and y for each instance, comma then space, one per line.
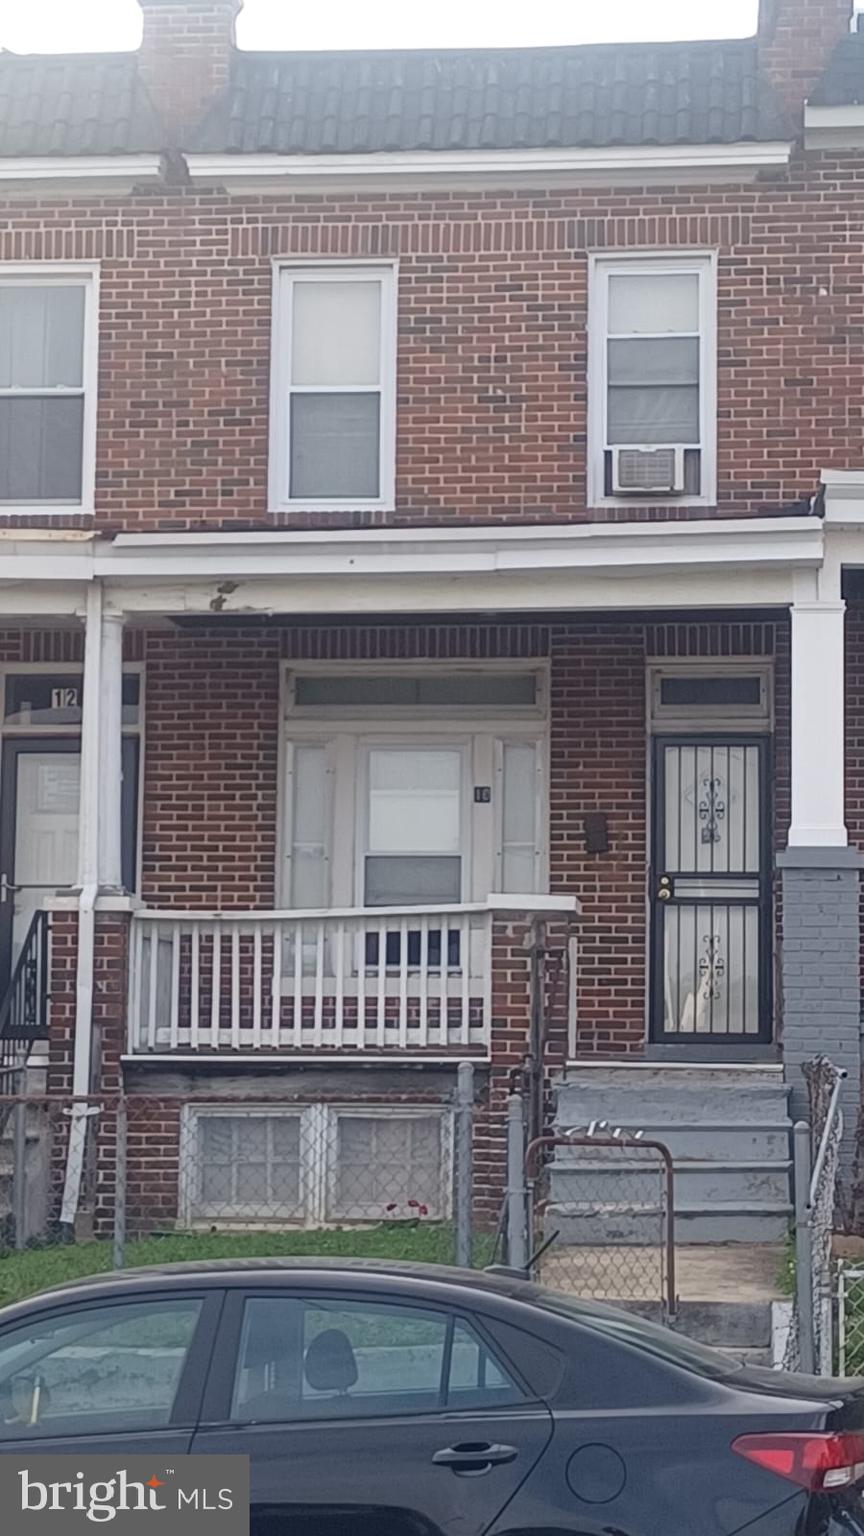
492, 353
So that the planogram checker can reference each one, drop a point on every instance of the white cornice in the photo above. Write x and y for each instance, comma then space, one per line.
618, 161
834, 127
123, 168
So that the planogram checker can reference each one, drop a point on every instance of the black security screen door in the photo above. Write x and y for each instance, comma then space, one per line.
711, 891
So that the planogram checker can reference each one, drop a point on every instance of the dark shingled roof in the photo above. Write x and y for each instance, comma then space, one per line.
517, 98
842, 84
75, 104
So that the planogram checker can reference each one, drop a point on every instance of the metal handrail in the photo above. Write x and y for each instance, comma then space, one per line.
31, 969
831, 1115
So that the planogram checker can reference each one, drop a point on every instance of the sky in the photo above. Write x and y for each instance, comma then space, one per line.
57, 26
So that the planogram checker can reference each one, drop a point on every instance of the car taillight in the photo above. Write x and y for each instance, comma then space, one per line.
818, 1462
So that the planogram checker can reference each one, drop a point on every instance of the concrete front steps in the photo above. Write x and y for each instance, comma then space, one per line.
729, 1295
727, 1127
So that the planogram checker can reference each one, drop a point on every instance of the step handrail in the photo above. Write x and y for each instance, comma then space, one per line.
24, 1006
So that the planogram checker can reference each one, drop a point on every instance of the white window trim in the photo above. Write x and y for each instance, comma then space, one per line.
65, 274
285, 274
600, 267
695, 719
397, 713
318, 1124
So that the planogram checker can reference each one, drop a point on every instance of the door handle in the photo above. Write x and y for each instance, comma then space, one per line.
473, 1457
664, 888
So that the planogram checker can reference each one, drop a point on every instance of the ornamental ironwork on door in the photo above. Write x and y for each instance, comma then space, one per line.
711, 890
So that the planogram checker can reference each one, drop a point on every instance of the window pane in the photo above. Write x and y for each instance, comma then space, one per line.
413, 881
479, 690
520, 792
653, 302
698, 690
387, 1162
415, 801
95, 1370
310, 831
41, 448
248, 1168
650, 361
319, 1358
41, 336
662, 414
336, 333
334, 446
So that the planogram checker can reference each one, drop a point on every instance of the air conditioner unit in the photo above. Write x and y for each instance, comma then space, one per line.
647, 471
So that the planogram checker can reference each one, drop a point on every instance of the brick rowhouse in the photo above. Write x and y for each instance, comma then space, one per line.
492, 385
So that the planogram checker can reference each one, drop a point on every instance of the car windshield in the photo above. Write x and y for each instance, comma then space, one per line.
629, 1328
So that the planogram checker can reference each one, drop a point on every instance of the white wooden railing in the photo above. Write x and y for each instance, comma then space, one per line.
401, 980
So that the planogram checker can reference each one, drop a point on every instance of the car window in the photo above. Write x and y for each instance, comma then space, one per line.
628, 1328
90, 1370
315, 1358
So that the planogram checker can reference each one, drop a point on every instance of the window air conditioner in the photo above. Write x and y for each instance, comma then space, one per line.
647, 471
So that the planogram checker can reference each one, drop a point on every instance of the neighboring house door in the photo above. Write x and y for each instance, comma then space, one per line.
711, 891
39, 830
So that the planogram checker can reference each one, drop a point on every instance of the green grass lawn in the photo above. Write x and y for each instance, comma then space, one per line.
24, 1274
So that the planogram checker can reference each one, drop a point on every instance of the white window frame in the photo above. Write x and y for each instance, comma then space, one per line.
692, 719
285, 275
68, 275
318, 1137
601, 267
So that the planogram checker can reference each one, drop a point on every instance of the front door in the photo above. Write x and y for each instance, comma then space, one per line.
39, 834
39, 830
711, 891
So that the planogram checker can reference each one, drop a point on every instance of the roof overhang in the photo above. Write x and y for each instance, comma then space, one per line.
627, 163
580, 567
125, 170
834, 127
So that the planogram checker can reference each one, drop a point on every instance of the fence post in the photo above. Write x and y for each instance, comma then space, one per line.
119, 1259
517, 1208
464, 1163
803, 1248
19, 1174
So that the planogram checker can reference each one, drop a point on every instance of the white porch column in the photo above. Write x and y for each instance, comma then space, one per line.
111, 754
818, 728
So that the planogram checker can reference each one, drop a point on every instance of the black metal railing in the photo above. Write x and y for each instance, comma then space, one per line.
24, 1006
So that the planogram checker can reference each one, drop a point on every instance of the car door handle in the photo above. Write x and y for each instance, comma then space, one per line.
474, 1456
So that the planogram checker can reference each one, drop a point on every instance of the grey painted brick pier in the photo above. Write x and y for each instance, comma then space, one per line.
820, 972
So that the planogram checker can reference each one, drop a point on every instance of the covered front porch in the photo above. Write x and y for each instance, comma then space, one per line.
312, 826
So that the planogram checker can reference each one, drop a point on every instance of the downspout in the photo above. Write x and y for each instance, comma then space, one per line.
88, 883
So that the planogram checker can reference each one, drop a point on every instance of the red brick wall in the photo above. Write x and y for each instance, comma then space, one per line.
492, 336
797, 39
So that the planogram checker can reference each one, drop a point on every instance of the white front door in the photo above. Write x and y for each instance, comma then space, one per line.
46, 831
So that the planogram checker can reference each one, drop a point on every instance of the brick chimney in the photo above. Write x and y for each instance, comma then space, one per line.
185, 57
796, 40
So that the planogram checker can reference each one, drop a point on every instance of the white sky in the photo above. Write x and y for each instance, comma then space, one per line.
77, 25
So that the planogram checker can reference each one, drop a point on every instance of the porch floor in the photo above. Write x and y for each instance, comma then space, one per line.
742, 1272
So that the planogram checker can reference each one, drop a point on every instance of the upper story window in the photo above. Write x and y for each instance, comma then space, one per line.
334, 387
652, 379
47, 387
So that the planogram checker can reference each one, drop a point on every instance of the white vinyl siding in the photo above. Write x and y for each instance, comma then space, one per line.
652, 369
334, 387
47, 387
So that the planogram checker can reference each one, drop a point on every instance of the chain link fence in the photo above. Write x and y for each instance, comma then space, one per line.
597, 1214
816, 1147
229, 1175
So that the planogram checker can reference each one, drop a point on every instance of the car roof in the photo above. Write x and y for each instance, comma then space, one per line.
222, 1273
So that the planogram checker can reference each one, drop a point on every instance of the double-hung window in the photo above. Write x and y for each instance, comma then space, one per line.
47, 387
652, 379
334, 384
